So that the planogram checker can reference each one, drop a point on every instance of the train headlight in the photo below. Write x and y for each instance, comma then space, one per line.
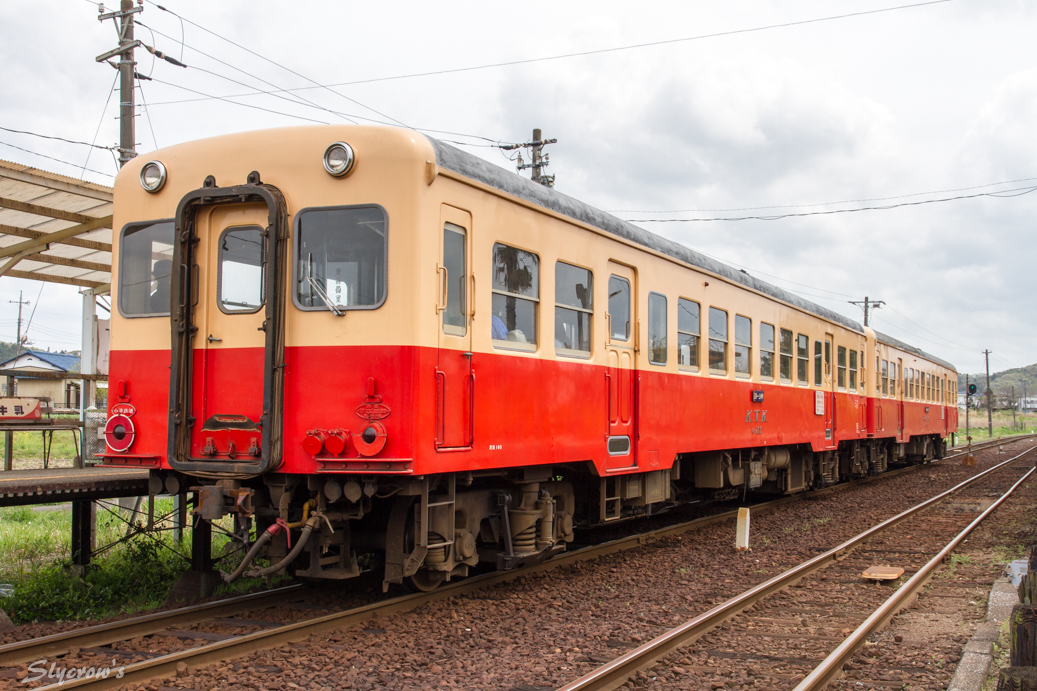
119, 432
153, 176
338, 159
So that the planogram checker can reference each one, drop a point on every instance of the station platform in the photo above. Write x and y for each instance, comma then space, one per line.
46, 486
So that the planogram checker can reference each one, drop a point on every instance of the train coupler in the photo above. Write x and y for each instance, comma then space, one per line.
216, 501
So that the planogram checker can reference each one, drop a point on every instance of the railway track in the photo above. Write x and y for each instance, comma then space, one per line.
809, 632
102, 636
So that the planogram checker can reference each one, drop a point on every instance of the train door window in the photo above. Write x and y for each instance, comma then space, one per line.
911, 382
878, 377
862, 361
818, 376
766, 351
657, 329
516, 295
688, 330
803, 359
240, 277
145, 267
455, 316
619, 308
828, 359
574, 309
743, 344
853, 370
841, 367
717, 341
928, 387
885, 377
785, 360
894, 377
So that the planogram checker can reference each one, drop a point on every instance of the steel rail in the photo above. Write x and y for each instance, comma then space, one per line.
832, 666
144, 625
615, 673
104, 634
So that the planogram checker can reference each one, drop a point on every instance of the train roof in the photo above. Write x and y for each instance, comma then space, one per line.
473, 167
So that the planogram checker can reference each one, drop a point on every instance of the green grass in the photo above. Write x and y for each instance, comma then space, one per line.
1002, 420
35, 559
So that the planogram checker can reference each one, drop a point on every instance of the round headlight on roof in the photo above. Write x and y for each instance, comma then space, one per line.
153, 176
338, 159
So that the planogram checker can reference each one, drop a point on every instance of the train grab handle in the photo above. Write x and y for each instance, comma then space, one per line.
444, 286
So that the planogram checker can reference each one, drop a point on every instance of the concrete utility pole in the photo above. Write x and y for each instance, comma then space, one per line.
127, 108
866, 303
540, 160
18, 343
990, 415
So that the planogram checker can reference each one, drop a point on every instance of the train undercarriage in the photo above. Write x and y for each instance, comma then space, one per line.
424, 531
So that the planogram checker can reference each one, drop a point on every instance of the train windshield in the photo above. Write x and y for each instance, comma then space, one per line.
341, 258
145, 265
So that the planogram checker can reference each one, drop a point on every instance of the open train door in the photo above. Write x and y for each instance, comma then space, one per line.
228, 288
621, 368
455, 376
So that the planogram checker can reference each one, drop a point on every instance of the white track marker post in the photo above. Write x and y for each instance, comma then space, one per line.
742, 531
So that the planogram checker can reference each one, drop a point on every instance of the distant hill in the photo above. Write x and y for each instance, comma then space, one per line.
1024, 379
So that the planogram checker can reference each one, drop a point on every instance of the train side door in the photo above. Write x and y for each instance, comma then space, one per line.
227, 391
455, 376
621, 366
898, 393
829, 394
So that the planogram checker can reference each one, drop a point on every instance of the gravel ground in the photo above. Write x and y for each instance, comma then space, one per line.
548, 628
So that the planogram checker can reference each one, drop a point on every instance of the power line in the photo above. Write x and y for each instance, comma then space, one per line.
797, 206
295, 98
101, 121
147, 113
927, 330
1003, 193
287, 69
237, 103
68, 163
599, 51
60, 139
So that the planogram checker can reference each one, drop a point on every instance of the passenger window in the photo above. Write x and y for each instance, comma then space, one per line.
455, 316
574, 309
786, 355
516, 294
885, 377
818, 380
687, 333
853, 370
657, 328
341, 258
841, 367
743, 344
619, 307
717, 340
145, 267
766, 351
893, 379
803, 359
240, 276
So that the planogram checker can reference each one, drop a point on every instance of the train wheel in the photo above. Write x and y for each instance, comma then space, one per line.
423, 581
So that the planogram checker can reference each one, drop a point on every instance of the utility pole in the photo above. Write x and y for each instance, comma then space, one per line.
127, 108
990, 415
872, 304
1013, 407
18, 343
539, 159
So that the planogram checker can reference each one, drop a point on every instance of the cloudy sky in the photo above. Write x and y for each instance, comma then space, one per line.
910, 105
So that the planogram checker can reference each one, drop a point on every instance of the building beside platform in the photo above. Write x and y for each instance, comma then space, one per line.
62, 393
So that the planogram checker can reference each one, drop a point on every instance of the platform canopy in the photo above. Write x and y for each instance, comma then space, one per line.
54, 228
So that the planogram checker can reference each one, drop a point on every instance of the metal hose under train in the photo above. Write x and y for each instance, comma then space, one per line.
263, 539
299, 545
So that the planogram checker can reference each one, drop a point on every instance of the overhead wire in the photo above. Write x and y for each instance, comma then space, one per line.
100, 122
599, 51
147, 113
846, 201
59, 160
287, 69
1003, 194
60, 139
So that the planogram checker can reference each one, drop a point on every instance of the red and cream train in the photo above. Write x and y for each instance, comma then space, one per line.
372, 343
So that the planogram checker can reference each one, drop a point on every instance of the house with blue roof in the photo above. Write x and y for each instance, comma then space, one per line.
63, 393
